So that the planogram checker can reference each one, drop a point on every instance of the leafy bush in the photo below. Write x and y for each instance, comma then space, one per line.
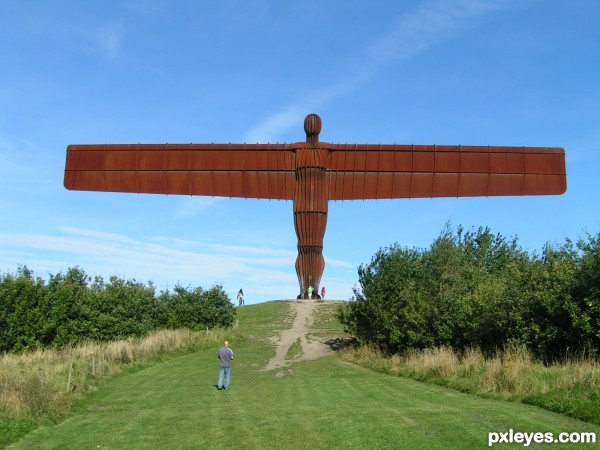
477, 289
70, 308
196, 308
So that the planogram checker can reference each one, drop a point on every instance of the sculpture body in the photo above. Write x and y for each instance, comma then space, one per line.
311, 198
311, 173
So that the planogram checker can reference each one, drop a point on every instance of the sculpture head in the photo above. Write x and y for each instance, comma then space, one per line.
312, 127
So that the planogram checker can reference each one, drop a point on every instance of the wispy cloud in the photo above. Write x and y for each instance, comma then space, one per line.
170, 260
191, 207
411, 34
288, 117
330, 262
106, 40
264, 272
431, 23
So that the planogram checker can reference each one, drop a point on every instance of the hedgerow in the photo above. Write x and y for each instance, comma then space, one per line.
479, 290
70, 308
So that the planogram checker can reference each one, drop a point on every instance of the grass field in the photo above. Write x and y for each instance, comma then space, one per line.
325, 403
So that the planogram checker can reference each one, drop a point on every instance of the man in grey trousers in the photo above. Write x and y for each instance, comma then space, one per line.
225, 355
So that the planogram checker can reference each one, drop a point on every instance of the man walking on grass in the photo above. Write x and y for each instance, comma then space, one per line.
225, 355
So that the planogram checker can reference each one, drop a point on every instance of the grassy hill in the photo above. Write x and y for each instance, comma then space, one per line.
324, 403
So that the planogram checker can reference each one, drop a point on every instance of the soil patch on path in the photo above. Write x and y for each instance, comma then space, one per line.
303, 313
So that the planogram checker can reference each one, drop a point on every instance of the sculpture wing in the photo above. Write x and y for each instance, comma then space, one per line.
409, 171
226, 170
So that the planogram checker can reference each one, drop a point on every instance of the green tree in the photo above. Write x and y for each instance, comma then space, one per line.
67, 309
479, 289
550, 307
21, 318
195, 308
586, 292
122, 308
388, 309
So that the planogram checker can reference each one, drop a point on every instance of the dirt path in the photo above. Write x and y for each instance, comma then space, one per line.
312, 347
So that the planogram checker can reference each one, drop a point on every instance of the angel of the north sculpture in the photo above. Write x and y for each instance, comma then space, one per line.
313, 172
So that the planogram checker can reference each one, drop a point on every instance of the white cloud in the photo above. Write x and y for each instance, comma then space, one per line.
106, 40
264, 272
339, 263
165, 261
412, 34
191, 207
272, 127
96, 235
424, 27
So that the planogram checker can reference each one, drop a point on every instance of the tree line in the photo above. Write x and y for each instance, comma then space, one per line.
479, 289
71, 308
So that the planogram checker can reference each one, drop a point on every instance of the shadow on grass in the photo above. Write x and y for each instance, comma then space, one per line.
339, 343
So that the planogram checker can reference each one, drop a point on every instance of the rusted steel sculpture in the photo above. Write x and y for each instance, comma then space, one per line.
311, 173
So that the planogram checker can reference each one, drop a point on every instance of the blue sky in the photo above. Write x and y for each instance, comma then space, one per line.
470, 72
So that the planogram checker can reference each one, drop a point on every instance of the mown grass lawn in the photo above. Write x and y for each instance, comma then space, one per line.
325, 404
